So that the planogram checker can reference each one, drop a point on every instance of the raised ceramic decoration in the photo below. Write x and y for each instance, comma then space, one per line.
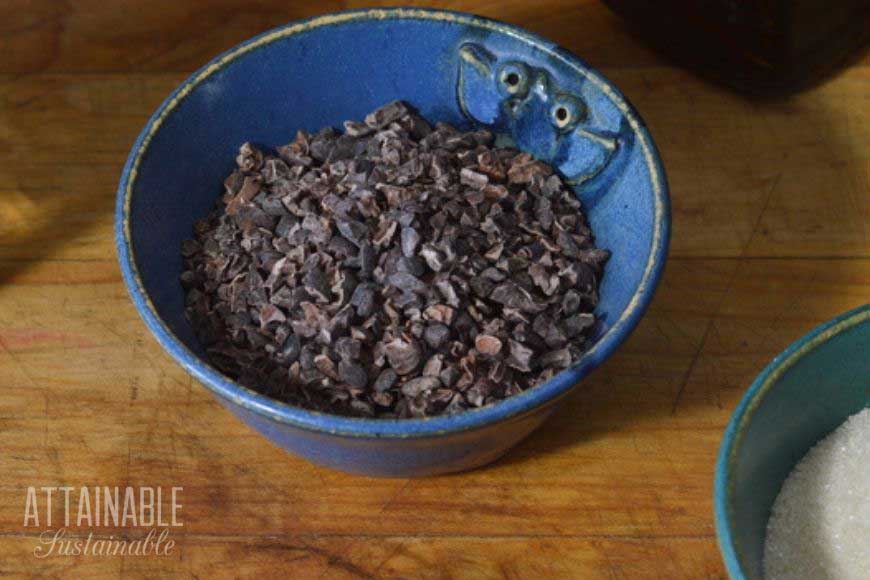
526, 104
451, 67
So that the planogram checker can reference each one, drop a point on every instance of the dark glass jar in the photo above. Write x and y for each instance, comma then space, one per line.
759, 46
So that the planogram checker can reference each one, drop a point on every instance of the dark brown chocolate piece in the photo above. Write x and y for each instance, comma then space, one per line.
393, 270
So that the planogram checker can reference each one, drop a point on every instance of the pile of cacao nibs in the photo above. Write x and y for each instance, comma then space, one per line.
394, 270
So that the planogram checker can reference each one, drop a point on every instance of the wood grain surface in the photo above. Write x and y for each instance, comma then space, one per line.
771, 236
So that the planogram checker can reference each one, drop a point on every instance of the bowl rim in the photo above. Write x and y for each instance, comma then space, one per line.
521, 404
743, 414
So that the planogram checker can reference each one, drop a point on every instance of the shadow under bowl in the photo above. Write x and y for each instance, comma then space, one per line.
803, 395
450, 67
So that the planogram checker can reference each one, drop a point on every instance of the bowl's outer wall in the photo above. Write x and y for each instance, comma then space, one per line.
813, 397
322, 76
395, 457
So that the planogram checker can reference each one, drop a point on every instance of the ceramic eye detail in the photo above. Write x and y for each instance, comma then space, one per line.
526, 106
513, 78
566, 112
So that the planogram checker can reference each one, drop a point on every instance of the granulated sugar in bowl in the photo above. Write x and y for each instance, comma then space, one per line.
820, 523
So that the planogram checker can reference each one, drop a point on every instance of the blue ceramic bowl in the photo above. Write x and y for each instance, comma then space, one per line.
452, 67
804, 394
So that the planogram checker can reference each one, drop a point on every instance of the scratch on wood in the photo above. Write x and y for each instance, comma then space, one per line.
334, 560
390, 555
704, 337
395, 497
757, 225
692, 365
24, 370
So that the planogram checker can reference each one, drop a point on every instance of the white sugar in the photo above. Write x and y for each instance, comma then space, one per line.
820, 524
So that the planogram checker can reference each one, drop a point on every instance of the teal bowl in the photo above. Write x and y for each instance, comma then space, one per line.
804, 393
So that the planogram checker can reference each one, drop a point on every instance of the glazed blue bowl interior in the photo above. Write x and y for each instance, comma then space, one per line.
803, 395
446, 65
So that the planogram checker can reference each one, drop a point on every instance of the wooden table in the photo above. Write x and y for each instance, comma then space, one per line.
771, 236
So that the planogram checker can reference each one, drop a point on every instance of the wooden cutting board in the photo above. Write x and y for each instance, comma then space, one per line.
771, 236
